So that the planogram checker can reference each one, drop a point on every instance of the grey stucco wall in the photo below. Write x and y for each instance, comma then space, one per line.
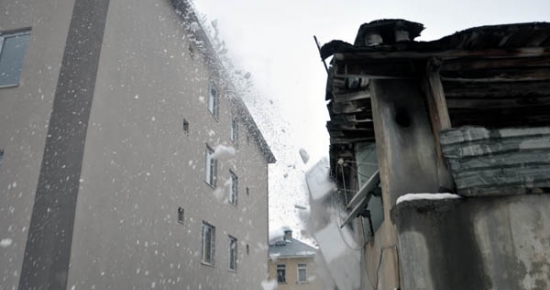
475, 243
139, 167
24, 117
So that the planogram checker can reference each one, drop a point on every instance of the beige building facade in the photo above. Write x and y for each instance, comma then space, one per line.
292, 265
127, 159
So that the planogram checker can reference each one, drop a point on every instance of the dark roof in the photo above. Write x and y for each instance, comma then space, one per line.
291, 248
492, 76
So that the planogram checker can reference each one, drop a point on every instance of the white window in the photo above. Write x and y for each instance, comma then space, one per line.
210, 167
302, 273
12, 53
233, 190
281, 273
234, 130
213, 99
232, 253
208, 240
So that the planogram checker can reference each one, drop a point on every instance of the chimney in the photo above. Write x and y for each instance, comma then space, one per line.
288, 234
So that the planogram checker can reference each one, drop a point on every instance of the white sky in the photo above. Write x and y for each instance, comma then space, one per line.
274, 41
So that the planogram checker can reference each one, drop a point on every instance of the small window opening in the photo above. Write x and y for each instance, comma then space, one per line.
185, 127
180, 215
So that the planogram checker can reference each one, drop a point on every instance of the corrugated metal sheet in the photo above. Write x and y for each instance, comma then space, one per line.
503, 161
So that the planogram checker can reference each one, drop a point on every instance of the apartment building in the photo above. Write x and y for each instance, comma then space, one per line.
127, 159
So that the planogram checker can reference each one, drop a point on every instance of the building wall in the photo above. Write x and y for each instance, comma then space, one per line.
313, 282
138, 165
476, 243
24, 117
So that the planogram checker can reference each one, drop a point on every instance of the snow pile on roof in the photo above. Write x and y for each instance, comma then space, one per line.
222, 152
277, 234
274, 256
429, 196
306, 253
318, 181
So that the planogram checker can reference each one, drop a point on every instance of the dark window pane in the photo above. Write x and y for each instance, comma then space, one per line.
12, 55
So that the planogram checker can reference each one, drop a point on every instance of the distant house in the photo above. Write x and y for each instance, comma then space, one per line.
292, 264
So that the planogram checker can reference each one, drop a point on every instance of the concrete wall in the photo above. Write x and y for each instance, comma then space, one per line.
138, 165
24, 117
475, 243
314, 282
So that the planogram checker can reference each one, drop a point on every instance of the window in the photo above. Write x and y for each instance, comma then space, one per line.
210, 168
12, 53
232, 253
208, 239
247, 191
233, 190
213, 100
302, 274
186, 127
234, 130
247, 249
180, 215
281, 273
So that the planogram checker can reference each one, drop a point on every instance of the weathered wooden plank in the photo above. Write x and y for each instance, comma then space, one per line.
496, 146
353, 96
506, 159
497, 75
444, 55
471, 134
511, 89
439, 117
528, 177
467, 103
469, 64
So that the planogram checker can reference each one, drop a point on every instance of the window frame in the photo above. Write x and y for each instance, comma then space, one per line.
234, 189
301, 266
232, 253
213, 100
14, 33
210, 167
211, 248
186, 127
282, 268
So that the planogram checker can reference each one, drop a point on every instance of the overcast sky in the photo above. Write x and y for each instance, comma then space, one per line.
274, 41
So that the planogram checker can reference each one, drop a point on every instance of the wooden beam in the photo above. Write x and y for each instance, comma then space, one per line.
443, 55
353, 96
466, 64
498, 75
439, 118
501, 90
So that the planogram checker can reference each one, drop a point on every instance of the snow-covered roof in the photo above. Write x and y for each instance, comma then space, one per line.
291, 248
185, 9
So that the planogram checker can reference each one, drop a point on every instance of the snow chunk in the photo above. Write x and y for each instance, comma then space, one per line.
304, 155
222, 152
318, 181
430, 196
269, 284
306, 253
274, 256
4, 243
277, 234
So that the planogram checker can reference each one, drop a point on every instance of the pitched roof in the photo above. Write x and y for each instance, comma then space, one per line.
291, 248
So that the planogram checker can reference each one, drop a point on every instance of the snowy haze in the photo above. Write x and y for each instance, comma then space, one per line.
273, 40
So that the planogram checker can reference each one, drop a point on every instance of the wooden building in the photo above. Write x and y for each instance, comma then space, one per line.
469, 115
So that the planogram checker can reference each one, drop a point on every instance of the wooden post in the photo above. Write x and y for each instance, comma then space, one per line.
439, 117
407, 159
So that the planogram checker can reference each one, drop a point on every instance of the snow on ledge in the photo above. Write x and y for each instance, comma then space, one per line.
430, 196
